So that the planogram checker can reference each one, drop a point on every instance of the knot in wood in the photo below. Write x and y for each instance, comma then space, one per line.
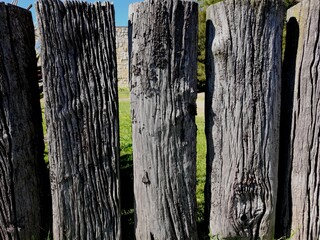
145, 178
247, 204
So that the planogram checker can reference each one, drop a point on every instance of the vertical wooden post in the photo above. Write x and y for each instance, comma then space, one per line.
304, 142
21, 136
80, 86
242, 116
163, 58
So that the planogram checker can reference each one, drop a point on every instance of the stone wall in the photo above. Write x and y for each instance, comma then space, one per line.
122, 54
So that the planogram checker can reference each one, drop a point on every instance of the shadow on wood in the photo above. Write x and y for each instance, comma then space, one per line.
284, 204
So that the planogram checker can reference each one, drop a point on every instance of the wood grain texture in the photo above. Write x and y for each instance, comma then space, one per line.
163, 56
303, 151
81, 101
21, 137
242, 117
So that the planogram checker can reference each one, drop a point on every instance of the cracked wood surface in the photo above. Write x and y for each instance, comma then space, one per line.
243, 116
21, 137
163, 56
81, 107
301, 207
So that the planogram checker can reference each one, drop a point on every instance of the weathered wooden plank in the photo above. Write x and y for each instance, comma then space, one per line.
21, 137
242, 117
304, 142
81, 101
163, 56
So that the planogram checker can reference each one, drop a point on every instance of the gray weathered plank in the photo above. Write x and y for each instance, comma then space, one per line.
163, 56
304, 139
242, 116
81, 106
21, 137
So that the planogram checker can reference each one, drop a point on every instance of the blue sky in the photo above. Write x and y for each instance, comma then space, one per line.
121, 9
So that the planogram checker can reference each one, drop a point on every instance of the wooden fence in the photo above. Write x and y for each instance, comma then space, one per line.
24, 187
262, 121
163, 56
80, 88
243, 116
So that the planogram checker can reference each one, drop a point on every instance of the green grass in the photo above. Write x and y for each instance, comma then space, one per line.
126, 165
201, 175
125, 122
44, 127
